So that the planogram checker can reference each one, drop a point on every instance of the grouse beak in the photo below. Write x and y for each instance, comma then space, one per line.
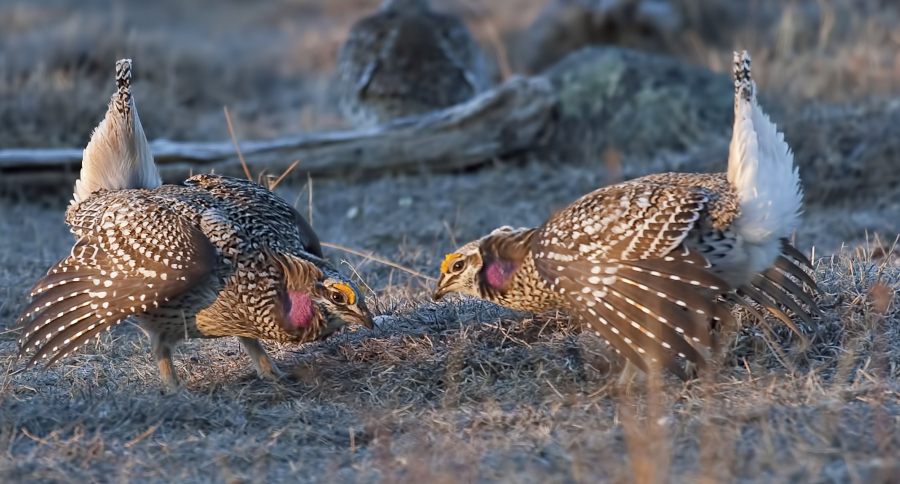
363, 317
439, 293
367, 321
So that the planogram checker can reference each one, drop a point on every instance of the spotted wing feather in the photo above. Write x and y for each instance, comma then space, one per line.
630, 221
123, 264
257, 208
617, 256
647, 319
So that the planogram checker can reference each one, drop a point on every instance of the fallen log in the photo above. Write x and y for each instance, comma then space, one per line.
499, 122
658, 113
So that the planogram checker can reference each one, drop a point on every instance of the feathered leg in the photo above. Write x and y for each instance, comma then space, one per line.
265, 367
161, 349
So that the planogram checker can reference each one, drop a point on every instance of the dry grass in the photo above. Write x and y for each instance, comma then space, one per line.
458, 392
838, 50
467, 392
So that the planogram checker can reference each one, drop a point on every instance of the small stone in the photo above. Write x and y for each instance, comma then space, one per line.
405, 201
353, 212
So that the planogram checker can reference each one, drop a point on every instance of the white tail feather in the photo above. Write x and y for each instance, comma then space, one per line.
761, 168
118, 156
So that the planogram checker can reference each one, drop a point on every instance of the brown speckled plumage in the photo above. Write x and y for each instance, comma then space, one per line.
722, 205
644, 262
215, 256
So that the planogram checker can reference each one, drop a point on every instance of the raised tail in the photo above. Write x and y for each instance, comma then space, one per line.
118, 155
761, 169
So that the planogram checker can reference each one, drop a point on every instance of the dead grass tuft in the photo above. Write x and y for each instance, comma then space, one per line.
466, 391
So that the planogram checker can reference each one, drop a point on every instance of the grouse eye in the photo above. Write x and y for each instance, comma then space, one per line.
458, 265
337, 297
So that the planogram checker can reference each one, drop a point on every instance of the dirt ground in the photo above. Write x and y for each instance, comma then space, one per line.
463, 391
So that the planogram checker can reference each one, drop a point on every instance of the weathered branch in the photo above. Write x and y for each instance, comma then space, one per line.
506, 119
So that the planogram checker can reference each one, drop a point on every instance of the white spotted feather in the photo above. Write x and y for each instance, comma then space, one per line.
617, 257
117, 269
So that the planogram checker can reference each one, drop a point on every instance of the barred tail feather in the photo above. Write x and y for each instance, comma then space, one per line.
785, 285
774, 290
781, 296
118, 155
793, 269
749, 291
798, 266
788, 249
790, 287
761, 168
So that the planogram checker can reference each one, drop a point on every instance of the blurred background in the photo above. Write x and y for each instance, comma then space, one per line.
270, 62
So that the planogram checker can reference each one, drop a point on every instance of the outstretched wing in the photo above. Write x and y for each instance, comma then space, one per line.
133, 254
654, 309
617, 256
